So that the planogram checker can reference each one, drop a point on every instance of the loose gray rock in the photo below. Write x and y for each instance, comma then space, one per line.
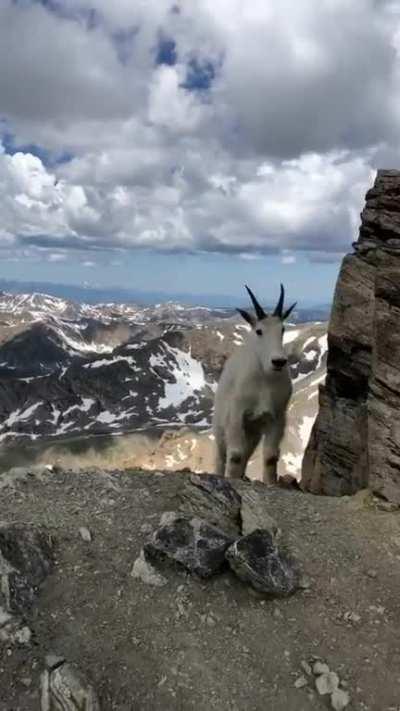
257, 560
372, 573
144, 571
340, 699
85, 534
327, 683
25, 561
351, 617
191, 542
213, 499
254, 514
63, 688
305, 665
320, 668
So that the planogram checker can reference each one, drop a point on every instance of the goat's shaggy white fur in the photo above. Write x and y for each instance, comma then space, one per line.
252, 397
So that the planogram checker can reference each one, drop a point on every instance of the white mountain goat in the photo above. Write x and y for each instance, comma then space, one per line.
252, 395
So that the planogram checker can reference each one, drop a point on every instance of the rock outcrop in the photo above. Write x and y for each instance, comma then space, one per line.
355, 441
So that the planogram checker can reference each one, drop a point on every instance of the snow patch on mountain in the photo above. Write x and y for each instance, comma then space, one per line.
189, 378
20, 415
82, 347
305, 429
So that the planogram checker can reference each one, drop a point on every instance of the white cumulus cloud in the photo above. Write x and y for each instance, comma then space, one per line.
257, 130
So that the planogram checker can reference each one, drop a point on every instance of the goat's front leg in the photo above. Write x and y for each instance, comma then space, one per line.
236, 462
220, 456
237, 454
241, 444
272, 438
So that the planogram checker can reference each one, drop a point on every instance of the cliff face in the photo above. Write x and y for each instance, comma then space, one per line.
355, 441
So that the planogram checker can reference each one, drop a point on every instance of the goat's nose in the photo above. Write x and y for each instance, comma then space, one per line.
278, 363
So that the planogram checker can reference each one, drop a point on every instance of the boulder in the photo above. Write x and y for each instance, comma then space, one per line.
191, 542
214, 499
256, 559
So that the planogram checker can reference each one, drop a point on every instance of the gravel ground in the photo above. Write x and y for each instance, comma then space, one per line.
204, 645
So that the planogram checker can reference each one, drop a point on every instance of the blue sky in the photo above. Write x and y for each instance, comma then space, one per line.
192, 146
201, 274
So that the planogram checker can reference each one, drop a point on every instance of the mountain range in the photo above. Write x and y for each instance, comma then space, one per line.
135, 382
93, 294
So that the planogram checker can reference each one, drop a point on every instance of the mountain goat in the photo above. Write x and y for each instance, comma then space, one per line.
252, 395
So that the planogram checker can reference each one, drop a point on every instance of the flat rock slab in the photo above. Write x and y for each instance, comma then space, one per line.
191, 542
25, 562
214, 499
254, 514
257, 560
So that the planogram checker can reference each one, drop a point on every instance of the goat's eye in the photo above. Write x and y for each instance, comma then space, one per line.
258, 331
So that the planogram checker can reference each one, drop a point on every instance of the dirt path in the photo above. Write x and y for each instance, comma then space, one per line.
206, 645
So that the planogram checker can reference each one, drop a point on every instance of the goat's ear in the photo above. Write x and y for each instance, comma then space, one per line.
247, 317
288, 311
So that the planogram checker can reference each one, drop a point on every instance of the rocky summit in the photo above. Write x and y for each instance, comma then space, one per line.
302, 618
355, 441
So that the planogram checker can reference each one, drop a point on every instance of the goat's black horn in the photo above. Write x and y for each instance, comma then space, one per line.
258, 309
279, 306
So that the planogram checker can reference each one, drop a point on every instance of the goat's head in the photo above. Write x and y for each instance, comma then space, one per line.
267, 332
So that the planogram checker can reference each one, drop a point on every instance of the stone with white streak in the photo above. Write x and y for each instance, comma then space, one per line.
64, 688
256, 559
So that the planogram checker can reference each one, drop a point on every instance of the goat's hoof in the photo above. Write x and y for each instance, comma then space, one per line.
288, 482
